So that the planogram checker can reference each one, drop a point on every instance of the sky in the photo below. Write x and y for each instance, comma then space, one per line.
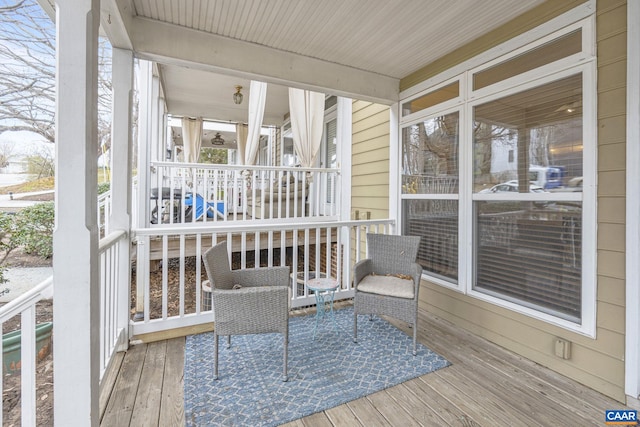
25, 143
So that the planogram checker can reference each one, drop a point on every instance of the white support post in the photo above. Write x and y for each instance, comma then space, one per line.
144, 152
394, 165
155, 114
632, 341
76, 309
144, 129
122, 82
344, 133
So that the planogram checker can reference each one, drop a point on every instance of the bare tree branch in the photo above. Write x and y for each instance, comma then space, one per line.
12, 7
27, 73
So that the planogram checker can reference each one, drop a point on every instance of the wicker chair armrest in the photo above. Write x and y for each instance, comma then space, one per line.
265, 276
416, 274
361, 269
259, 304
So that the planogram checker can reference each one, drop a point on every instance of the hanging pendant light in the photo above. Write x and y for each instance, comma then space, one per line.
217, 140
237, 97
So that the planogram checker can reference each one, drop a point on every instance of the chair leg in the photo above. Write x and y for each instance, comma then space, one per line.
215, 356
355, 326
285, 376
415, 337
228, 341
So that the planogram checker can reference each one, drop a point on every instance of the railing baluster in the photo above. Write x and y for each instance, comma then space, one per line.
198, 283
182, 256
165, 275
28, 366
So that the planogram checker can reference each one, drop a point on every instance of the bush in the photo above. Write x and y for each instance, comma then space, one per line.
33, 229
103, 188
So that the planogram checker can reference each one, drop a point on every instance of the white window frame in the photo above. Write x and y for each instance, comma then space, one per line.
583, 62
427, 114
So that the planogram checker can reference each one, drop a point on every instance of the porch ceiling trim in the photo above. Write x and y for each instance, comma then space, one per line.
115, 20
172, 44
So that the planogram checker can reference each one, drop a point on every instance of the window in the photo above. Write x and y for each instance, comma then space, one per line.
435, 97
330, 158
431, 172
288, 152
493, 179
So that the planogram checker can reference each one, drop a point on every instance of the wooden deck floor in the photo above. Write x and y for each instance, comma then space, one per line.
484, 386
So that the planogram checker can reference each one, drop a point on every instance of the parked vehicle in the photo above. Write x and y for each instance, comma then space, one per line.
547, 177
511, 187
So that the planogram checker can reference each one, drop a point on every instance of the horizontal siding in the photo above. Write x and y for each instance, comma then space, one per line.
611, 290
611, 209
597, 363
612, 129
598, 369
370, 160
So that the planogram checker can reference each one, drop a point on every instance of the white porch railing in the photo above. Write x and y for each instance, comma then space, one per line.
194, 193
310, 249
114, 296
104, 212
114, 311
25, 306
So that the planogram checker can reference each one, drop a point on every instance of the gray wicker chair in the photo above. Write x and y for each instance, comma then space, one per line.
260, 305
382, 284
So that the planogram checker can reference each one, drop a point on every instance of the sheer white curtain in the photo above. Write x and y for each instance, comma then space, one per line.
248, 136
241, 139
307, 114
191, 138
257, 99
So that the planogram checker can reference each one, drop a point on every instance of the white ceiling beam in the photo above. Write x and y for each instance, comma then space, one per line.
115, 20
171, 44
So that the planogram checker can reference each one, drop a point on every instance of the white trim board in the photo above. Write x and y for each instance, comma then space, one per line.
632, 341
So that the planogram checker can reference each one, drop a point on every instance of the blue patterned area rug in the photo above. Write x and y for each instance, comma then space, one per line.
323, 373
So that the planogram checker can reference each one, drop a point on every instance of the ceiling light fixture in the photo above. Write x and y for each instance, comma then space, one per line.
218, 140
237, 97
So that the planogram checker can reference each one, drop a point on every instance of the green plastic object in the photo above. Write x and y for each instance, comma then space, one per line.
11, 347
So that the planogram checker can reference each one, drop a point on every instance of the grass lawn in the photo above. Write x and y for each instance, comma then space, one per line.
41, 184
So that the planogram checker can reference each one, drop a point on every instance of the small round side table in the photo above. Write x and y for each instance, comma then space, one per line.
324, 289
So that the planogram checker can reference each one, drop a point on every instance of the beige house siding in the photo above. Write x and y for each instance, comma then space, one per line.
370, 160
597, 363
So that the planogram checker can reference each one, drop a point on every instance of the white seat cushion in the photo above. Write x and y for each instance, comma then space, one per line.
387, 285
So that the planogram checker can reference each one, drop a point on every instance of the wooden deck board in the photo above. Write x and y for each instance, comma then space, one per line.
146, 410
121, 403
109, 380
395, 414
367, 413
485, 386
171, 407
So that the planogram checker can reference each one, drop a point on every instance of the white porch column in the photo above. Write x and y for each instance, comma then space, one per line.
394, 162
632, 340
344, 133
75, 238
144, 132
144, 152
122, 83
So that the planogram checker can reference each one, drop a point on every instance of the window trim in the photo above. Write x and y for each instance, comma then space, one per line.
584, 63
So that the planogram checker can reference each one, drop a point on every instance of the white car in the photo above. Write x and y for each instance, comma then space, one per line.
511, 187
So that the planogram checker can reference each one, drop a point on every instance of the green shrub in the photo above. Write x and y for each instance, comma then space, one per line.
103, 187
34, 229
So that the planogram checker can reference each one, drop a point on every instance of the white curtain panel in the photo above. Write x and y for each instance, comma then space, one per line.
191, 138
257, 99
307, 113
242, 131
